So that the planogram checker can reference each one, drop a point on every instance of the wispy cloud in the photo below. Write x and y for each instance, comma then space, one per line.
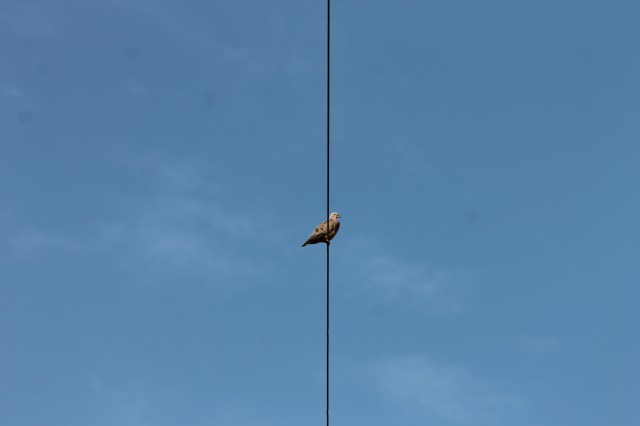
179, 226
30, 240
385, 278
128, 405
442, 391
183, 227
160, 12
168, 17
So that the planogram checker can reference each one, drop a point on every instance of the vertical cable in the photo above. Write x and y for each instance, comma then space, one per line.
328, 157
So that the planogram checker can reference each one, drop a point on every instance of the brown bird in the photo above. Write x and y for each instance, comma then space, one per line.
320, 234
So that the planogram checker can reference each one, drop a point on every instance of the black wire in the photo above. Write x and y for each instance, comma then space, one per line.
328, 157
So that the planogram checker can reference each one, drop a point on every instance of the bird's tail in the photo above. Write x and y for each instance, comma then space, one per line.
304, 244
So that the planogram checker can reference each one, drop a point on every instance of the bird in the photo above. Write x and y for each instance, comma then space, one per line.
320, 235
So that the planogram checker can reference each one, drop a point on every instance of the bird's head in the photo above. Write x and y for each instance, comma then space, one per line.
335, 215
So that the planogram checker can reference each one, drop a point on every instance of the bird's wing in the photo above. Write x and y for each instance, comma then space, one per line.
318, 234
320, 230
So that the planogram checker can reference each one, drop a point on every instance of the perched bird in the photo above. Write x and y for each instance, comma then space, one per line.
320, 235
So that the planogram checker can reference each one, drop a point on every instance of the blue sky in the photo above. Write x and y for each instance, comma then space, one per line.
161, 163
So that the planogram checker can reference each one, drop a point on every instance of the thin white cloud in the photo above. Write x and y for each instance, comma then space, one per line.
30, 240
229, 57
160, 13
127, 405
182, 228
441, 391
176, 229
383, 278
181, 236
168, 17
